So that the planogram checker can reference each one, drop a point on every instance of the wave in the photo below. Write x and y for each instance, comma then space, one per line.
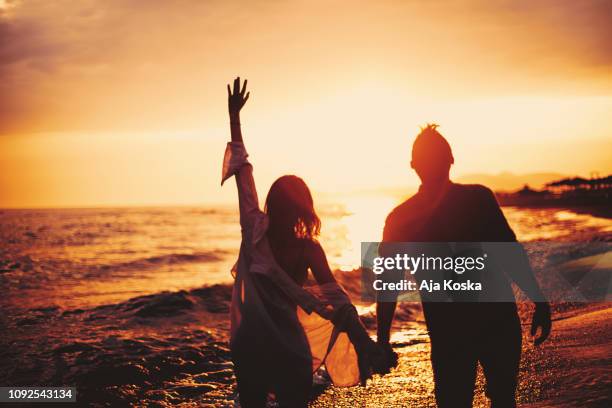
213, 299
210, 300
167, 259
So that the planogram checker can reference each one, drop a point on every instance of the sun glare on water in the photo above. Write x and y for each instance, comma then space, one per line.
362, 221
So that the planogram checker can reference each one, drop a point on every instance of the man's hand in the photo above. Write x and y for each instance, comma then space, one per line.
237, 98
392, 358
541, 320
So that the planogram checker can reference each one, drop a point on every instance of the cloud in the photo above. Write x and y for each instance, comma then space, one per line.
90, 64
65, 64
578, 29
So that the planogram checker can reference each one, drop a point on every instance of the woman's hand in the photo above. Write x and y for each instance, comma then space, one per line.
236, 98
235, 102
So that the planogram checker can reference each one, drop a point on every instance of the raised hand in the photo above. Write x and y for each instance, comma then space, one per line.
236, 98
541, 320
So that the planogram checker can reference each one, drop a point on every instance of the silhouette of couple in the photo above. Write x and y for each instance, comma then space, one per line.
283, 329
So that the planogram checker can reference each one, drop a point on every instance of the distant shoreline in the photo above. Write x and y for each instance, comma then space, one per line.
596, 210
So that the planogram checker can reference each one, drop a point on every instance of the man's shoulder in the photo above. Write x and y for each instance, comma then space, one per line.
474, 190
414, 207
407, 209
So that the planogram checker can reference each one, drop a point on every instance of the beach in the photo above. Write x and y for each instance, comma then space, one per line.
155, 351
565, 371
130, 306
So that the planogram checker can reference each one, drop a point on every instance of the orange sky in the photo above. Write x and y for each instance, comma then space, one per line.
123, 102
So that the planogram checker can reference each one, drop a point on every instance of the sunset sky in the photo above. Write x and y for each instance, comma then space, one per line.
123, 102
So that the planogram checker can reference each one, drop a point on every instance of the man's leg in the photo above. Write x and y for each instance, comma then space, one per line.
454, 366
500, 356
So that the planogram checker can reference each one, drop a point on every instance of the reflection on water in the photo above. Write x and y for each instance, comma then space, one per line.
537, 224
361, 220
82, 257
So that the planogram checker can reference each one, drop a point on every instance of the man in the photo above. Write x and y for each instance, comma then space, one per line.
464, 334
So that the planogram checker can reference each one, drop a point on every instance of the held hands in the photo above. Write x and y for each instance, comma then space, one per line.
236, 98
541, 320
390, 355
373, 359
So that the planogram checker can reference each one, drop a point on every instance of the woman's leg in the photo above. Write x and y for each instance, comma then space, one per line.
293, 382
251, 393
250, 380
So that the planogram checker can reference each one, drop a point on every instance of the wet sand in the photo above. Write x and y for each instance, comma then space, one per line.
576, 365
572, 368
171, 349
164, 350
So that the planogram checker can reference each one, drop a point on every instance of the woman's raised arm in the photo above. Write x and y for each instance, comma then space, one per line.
235, 102
235, 161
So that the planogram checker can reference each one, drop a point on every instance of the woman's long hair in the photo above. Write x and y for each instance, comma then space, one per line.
291, 211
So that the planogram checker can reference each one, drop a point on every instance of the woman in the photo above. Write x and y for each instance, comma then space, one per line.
280, 331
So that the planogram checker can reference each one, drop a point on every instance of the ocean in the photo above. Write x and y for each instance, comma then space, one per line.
76, 258
139, 296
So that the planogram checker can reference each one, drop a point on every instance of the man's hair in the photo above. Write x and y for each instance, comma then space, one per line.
430, 144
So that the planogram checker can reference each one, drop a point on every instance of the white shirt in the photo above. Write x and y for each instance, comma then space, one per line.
249, 315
